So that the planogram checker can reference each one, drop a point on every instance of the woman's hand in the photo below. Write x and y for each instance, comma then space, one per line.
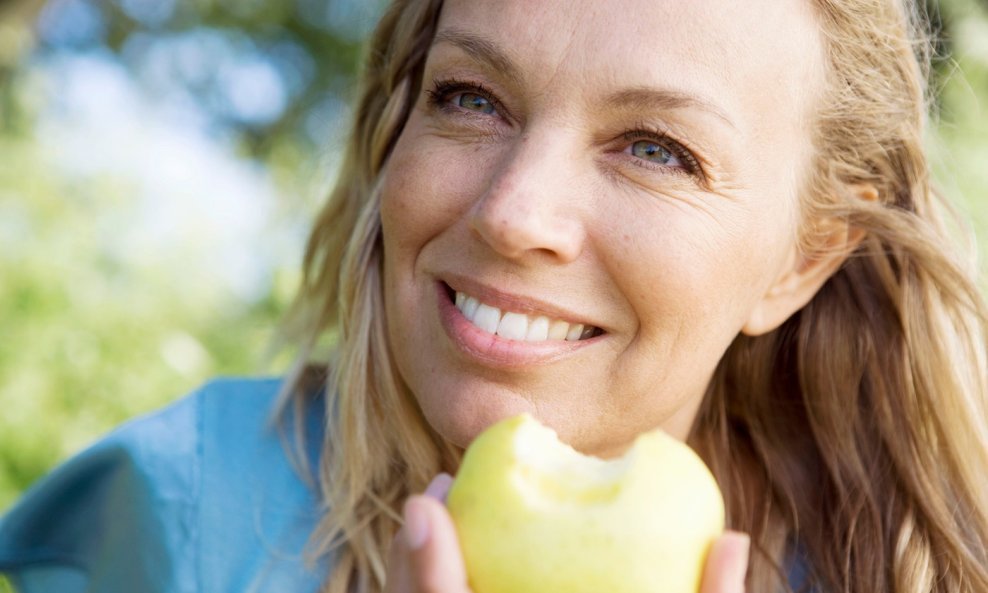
425, 555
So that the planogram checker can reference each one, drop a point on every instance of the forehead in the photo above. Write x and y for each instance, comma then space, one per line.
764, 53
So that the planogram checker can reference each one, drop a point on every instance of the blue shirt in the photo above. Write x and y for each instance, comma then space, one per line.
198, 498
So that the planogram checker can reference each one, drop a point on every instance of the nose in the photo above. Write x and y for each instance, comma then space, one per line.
531, 206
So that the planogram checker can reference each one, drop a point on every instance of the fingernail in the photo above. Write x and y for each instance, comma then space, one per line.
416, 525
439, 486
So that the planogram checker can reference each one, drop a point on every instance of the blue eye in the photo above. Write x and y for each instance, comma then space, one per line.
653, 152
454, 97
473, 102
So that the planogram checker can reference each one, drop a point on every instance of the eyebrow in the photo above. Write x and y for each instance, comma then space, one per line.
480, 49
640, 98
653, 99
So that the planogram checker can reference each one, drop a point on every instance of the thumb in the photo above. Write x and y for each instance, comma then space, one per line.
437, 564
727, 564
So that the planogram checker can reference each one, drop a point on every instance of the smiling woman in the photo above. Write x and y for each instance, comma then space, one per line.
711, 218
717, 221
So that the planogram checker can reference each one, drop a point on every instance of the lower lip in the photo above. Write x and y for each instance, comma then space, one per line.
495, 351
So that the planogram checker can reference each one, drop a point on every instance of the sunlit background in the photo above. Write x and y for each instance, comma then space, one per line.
159, 164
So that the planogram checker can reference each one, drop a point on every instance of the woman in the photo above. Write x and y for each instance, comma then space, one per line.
714, 218
733, 202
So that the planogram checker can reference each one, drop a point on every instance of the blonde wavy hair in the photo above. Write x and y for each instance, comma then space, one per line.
854, 437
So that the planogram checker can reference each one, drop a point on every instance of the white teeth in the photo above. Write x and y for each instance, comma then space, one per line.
558, 330
487, 318
518, 326
470, 308
513, 326
538, 330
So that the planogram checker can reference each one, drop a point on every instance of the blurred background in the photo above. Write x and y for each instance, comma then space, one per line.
160, 161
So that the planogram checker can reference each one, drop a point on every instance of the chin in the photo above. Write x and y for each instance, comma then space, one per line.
460, 419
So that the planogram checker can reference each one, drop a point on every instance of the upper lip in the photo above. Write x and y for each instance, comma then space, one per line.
512, 302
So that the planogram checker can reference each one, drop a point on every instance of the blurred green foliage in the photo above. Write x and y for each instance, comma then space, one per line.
960, 145
89, 335
93, 331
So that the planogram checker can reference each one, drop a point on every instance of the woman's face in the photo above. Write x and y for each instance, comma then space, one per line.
589, 201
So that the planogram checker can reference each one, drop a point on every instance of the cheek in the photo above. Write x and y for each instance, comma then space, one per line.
407, 200
701, 270
428, 186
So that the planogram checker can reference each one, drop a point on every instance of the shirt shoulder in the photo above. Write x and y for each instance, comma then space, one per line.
199, 496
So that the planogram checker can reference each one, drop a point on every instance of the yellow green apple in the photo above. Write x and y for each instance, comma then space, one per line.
533, 515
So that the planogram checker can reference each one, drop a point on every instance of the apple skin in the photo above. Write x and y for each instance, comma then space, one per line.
646, 529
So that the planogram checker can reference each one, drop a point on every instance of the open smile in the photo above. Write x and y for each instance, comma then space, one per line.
518, 326
500, 338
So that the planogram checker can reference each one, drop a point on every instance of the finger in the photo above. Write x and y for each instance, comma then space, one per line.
435, 558
438, 488
727, 564
398, 578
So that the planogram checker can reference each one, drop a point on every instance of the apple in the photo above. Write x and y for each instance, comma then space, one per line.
533, 515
